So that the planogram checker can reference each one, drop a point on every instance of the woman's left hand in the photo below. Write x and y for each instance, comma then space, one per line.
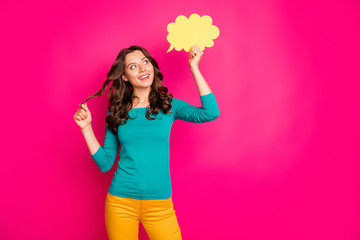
195, 56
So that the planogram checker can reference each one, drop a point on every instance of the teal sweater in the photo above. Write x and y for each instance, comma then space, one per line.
143, 170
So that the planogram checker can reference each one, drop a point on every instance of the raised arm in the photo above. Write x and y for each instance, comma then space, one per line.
194, 59
209, 109
105, 155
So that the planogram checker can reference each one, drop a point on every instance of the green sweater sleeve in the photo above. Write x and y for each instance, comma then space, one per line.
209, 110
105, 156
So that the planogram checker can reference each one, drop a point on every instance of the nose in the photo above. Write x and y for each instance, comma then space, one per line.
142, 68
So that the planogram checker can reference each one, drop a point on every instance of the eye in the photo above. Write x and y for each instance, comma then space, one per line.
135, 66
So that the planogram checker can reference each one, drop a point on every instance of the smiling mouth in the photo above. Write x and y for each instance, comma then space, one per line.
144, 77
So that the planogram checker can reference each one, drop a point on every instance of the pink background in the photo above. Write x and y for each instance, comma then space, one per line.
281, 161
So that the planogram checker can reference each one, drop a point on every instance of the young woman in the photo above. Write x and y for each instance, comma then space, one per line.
139, 119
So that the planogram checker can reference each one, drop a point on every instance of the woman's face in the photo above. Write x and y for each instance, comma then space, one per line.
137, 65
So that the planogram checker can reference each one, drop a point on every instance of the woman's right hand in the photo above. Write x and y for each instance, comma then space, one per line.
83, 116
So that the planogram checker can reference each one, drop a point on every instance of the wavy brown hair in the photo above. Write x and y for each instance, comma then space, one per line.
121, 92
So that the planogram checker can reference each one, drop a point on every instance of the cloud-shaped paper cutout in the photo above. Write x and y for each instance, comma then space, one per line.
185, 33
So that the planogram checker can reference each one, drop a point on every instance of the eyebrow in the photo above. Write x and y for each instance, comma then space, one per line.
133, 62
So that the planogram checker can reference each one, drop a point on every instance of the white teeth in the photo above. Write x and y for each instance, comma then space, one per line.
144, 76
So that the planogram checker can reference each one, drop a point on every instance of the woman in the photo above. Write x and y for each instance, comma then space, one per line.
139, 120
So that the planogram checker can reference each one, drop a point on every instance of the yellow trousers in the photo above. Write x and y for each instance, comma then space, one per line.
122, 217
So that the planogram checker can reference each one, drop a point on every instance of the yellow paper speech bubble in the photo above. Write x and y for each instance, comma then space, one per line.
185, 33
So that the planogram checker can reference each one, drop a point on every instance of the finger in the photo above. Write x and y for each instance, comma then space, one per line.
77, 117
82, 116
81, 105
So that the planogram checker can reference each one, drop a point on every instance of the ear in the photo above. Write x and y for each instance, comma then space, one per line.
124, 77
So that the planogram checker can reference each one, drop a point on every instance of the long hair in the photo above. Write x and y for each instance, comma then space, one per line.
120, 92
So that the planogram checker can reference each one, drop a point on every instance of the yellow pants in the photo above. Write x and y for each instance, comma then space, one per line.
122, 216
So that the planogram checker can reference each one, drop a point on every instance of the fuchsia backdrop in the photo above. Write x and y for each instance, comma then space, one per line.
281, 161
